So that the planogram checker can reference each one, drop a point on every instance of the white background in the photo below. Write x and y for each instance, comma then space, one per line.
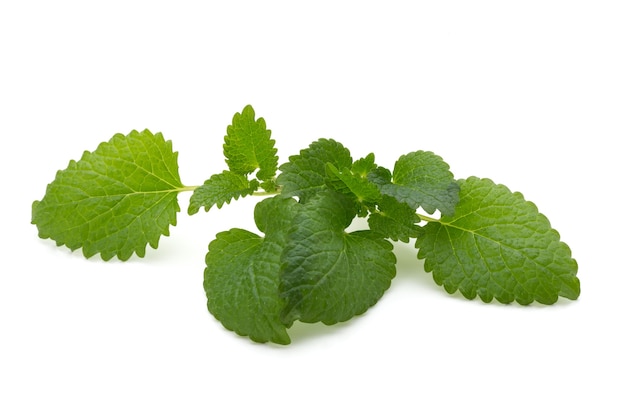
531, 94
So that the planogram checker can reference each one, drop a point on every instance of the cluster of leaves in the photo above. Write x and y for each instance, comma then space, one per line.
488, 241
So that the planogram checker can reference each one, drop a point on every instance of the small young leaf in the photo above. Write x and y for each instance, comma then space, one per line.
380, 176
305, 174
347, 182
242, 273
362, 167
248, 146
497, 245
220, 189
329, 275
394, 220
115, 200
423, 179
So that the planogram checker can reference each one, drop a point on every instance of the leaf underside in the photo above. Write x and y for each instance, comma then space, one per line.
497, 245
115, 200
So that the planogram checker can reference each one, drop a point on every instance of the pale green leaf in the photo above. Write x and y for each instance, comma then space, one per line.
220, 189
362, 167
248, 146
115, 200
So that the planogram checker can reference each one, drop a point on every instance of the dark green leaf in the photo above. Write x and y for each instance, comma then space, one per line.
395, 220
423, 179
330, 275
305, 174
241, 278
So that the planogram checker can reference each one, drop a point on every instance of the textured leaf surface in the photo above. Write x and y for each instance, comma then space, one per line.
220, 189
347, 182
380, 176
423, 179
241, 278
330, 275
394, 220
362, 167
497, 245
305, 174
248, 146
115, 200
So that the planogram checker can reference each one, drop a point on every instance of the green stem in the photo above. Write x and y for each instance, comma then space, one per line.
264, 193
427, 219
187, 188
259, 193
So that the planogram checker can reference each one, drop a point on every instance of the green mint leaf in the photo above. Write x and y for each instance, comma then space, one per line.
362, 167
346, 182
239, 294
270, 186
394, 220
329, 275
380, 176
115, 200
423, 179
497, 245
220, 189
248, 146
241, 278
305, 174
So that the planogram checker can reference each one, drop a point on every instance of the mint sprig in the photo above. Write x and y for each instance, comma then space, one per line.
303, 264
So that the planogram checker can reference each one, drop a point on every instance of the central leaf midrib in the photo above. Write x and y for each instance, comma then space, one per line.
118, 195
496, 242
313, 287
135, 165
110, 209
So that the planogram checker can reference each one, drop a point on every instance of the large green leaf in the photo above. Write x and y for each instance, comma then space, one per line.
115, 200
497, 245
330, 275
241, 278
